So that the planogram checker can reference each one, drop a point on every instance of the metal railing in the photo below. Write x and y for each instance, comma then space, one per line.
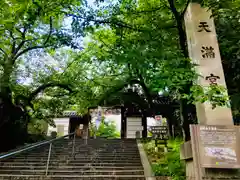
37, 145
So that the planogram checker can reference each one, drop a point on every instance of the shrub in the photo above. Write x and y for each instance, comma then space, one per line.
167, 164
107, 130
36, 126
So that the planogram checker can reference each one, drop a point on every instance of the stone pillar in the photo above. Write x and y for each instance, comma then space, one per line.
85, 131
144, 125
204, 51
123, 122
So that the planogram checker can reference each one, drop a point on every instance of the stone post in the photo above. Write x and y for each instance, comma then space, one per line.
204, 50
85, 131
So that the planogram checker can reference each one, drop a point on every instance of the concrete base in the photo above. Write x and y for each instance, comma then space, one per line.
85, 131
186, 154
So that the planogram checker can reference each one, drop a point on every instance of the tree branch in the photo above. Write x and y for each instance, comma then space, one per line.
29, 49
3, 51
181, 32
45, 86
23, 34
173, 9
122, 86
106, 45
50, 31
25, 102
14, 41
166, 6
145, 89
33, 47
143, 11
185, 9
107, 21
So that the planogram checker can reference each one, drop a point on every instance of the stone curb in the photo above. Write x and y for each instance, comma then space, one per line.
144, 159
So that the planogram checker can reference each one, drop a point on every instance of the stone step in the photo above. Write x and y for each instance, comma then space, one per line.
79, 154
74, 167
90, 145
71, 177
82, 152
118, 164
85, 147
101, 159
117, 143
93, 146
95, 143
82, 156
100, 153
85, 150
72, 172
94, 161
76, 157
69, 159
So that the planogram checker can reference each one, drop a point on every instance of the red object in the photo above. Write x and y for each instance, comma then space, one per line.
158, 117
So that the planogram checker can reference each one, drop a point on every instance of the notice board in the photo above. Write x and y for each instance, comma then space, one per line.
216, 146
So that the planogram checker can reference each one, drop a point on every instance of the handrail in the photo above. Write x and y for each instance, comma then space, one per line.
34, 146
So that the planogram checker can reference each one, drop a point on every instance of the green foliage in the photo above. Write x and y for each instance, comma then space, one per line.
107, 130
226, 15
126, 43
28, 29
38, 127
149, 134
167, 164
215, 94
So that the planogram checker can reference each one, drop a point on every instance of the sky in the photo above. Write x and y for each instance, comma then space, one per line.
47, 60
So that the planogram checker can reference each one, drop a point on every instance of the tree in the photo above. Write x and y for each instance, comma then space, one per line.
148, 49
227, 26
26, 26
137, 44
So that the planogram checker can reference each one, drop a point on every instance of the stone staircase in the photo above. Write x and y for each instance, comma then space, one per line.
97, 159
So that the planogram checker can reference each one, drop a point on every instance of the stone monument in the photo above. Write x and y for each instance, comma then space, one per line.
204, 50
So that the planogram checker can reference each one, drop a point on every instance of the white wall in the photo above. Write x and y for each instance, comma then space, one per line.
134, 124
59, 121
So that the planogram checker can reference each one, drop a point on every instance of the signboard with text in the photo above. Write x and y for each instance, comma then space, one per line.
218, 146
159, 132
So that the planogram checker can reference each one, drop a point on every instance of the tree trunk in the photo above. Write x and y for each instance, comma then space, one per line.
13, 125
170, 125
185, 107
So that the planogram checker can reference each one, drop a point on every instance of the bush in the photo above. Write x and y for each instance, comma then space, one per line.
107, 130
36, 126
166, 164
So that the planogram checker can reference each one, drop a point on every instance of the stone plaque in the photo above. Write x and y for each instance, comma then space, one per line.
218, 146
